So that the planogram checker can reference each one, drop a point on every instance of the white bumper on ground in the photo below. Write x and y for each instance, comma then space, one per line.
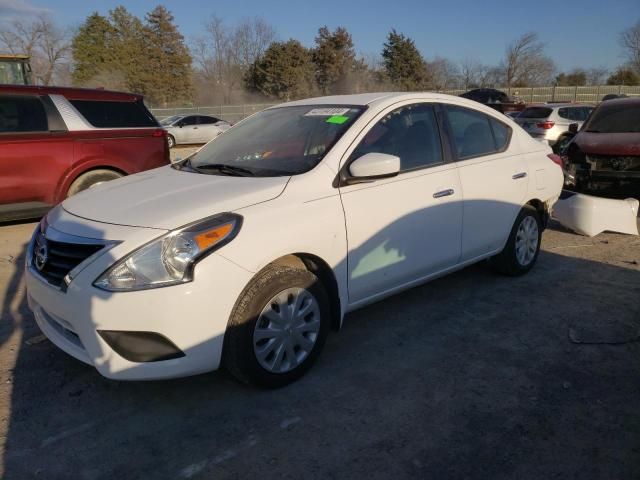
589, 215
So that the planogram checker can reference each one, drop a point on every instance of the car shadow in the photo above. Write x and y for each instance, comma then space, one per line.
470, 376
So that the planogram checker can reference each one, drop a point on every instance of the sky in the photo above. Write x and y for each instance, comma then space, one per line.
576, 34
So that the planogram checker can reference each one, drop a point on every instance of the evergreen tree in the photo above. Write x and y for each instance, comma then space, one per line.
92, 48
167, 75
403, 63
129, 48
334, 58
285, 71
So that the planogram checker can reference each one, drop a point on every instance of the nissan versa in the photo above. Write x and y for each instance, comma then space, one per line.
246, 253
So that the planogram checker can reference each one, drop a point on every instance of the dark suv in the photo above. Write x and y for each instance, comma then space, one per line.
55, 142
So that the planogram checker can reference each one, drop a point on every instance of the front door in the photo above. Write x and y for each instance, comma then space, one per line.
404, 228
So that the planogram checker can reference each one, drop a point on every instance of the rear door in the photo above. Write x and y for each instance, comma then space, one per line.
125, 136
494, 179
207, 128
35, 152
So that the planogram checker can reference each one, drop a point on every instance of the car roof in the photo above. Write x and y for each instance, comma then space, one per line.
373, 99
71, 93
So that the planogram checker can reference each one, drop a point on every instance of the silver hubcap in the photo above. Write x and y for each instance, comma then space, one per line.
286, 330
526, 241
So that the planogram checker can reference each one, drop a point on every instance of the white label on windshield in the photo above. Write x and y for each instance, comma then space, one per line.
326, 112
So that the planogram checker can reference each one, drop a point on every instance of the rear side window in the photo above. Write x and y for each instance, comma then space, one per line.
535, 112
475, 133
110, 114
22, 114
188, 121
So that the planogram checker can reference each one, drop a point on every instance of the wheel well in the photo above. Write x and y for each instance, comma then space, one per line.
541, 208
324, 272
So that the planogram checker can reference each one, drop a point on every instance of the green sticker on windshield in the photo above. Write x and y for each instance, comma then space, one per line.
339, 119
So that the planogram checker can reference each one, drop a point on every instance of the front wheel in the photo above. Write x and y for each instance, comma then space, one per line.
277, 328
523, 246
171, 141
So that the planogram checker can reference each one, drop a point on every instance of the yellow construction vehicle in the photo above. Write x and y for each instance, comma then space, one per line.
15, 69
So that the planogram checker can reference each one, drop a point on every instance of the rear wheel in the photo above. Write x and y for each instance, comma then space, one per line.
91, 179
278, 327
523, 246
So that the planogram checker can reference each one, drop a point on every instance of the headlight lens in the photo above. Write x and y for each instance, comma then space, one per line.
170, 259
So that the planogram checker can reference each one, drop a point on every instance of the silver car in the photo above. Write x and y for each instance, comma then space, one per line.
183, 129
549, 121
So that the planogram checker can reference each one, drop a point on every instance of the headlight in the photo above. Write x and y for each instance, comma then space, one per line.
170, 259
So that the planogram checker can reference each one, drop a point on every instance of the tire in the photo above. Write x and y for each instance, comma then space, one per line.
509, 261
249, 330
91, 179
171, 141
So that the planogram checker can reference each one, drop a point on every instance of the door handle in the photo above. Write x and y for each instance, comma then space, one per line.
519, 175
443, 193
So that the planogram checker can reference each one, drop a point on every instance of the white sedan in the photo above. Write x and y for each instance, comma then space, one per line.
193, 129
245, 254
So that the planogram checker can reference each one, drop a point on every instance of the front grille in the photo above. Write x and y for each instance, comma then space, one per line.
53, 260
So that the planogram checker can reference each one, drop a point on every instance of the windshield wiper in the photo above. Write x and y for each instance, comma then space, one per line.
225, 169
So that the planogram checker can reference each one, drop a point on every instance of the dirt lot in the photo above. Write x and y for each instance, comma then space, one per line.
471, 376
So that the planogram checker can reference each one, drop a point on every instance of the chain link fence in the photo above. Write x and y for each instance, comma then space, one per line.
590, 94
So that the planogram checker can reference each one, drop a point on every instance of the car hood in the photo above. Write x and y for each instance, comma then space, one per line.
608, 143
167, 198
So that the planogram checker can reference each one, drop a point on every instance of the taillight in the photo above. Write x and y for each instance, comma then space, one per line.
159, 133
545, 125
557, 159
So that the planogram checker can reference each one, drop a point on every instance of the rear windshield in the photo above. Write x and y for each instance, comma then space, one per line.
109, 114
279, 141
535, 112
623, 117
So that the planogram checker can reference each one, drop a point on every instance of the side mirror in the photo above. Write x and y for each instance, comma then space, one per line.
573, 128
372, 166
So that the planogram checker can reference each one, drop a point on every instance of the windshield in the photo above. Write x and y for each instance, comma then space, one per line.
622, 117
277, 142
170, 120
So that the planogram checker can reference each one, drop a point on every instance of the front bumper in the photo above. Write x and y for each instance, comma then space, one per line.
192, 316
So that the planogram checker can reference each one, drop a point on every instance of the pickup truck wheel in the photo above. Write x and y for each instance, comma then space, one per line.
171, 141
277, 328
91, 179
523, 246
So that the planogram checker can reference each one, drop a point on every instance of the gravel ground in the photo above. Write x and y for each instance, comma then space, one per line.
183, 151
471, 376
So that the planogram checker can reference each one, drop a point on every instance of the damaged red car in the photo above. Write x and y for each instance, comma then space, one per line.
605, 153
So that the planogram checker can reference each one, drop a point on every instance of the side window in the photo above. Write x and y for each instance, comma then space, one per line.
473, 134
409, 132
21, 114
501, 134
564, 113
188, 121
114, 114
204, 120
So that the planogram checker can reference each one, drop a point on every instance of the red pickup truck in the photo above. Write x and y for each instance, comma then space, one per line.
55, 142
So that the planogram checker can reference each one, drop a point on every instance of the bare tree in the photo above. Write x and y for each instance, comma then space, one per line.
443, 74
223, 55
471, 73
630, 43
41, 39
597, 76
525, 62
